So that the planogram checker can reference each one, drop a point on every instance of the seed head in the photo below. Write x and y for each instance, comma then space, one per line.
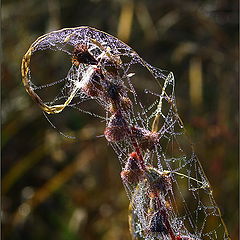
82, 55
145, 138
93, 87
117, 129
132, 172
159, 181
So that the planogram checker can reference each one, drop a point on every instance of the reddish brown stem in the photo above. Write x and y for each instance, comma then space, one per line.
138, 151
165, 217
143, 166
163, 210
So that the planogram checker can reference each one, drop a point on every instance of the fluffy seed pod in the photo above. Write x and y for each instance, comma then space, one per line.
145, 138
117, 129
93, 87
82, 55
159, 181
126, 103
132, 172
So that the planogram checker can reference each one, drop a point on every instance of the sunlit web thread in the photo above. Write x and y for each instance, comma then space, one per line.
47, 85
53, 126
157, 211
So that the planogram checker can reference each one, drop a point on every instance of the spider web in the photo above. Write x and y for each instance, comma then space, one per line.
170, 196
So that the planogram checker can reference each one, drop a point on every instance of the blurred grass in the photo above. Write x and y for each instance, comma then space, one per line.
21, 167
56, 188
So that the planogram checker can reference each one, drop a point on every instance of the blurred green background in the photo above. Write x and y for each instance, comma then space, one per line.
57, 188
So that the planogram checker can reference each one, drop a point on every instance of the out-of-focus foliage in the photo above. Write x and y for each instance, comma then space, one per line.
57, 188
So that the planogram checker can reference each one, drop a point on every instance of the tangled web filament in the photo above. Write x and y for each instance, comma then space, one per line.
170, 196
